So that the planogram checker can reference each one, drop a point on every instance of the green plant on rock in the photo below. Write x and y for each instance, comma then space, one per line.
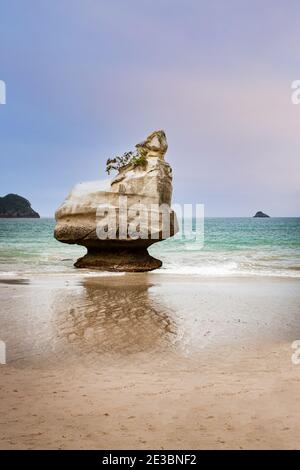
139, 160
128, 158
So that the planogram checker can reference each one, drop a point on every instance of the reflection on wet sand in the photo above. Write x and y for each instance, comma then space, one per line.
63, 320
91, 318
106, 318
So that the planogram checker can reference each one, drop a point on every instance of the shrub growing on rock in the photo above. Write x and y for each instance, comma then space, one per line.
128, 158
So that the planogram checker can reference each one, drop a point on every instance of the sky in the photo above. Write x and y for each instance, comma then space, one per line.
88, 79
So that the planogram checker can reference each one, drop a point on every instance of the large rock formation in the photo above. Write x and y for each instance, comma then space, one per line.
260, 214
94, 213
14, 206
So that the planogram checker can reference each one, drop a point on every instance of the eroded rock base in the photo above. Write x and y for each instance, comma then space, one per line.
119, 260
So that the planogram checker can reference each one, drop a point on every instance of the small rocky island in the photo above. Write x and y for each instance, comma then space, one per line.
260, 214
144, 181
14, 206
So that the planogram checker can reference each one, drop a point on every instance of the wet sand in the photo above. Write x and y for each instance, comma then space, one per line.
149, 361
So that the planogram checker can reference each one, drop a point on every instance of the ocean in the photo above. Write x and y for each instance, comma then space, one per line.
232, 247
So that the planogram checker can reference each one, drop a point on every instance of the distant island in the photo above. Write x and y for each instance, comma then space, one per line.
14, 206
261, 214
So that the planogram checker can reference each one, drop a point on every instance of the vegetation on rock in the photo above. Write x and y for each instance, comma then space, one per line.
128, 158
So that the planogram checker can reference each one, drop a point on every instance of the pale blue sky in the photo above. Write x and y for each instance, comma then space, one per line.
87, 79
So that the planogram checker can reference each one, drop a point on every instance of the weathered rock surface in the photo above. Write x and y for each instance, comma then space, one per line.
14, 206
144, 188
260, 214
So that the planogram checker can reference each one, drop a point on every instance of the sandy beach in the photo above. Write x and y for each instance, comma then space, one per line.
149, 361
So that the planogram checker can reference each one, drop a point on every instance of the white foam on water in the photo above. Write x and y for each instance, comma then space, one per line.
217, 270
223, 270
267, 273
8, 273
53, 272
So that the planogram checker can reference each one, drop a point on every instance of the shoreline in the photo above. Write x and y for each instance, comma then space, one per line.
190, 277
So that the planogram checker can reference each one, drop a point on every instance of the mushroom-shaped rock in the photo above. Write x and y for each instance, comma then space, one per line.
119, 218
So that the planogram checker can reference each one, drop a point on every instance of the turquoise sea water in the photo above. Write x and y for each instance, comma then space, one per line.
232, 247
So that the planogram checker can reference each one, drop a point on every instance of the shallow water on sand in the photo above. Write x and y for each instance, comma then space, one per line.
92, 319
